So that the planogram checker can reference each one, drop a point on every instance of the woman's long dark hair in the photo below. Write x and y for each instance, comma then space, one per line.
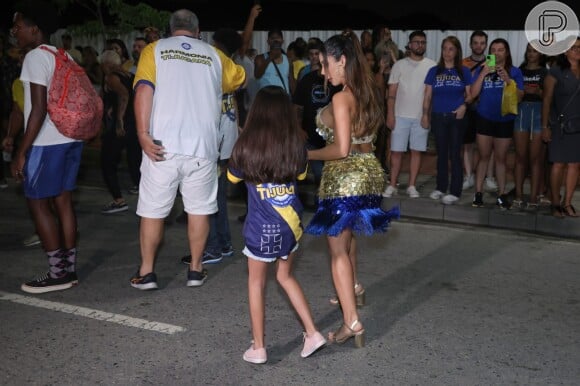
457, 60
369, 114
271, 147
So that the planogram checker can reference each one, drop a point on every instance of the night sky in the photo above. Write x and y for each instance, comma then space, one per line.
337, 14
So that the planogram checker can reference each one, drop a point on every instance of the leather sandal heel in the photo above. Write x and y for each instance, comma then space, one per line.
359, 293
345, 332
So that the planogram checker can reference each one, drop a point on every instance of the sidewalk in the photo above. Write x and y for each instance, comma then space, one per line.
540, 221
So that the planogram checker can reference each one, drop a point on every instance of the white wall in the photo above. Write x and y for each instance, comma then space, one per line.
516, 39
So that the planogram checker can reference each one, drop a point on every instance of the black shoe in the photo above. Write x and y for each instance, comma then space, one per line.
146, 282
207, 258
134, 190
186, 259
73, 277
477, 200
45, 283
210, 258
114, 207
503, 202
227, 251
195, 278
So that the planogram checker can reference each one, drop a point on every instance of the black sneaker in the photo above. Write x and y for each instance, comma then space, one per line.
195, 278
134, 190
207, 258
210, 258
146, 282
477, 200
503, 202
186, 259
227, 251
73, 277
45, 283
114, 207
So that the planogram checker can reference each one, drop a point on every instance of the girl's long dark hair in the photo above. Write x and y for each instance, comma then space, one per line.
271, 147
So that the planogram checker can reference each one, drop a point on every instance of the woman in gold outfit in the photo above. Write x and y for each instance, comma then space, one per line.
352, 178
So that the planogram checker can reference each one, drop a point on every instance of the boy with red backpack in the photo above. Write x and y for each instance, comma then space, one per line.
46, 162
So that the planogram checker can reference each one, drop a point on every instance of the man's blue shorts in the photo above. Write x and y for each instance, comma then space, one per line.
51, 170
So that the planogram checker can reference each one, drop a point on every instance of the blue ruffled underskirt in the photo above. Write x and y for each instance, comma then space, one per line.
362, 214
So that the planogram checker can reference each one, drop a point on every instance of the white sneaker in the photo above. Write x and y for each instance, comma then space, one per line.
490, 184
449, 199
468, 182
412, 192
436, 195
389, 191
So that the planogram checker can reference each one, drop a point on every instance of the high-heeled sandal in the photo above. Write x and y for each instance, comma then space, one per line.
359, 294
345, 332
569, 210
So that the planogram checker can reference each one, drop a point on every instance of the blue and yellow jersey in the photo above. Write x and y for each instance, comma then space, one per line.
274, 221
189, 77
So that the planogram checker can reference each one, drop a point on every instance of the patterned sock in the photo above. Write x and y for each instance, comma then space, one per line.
56, 263
70, 255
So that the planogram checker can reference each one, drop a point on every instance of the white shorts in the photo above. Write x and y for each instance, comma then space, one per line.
250, 255
196, 178
408, 132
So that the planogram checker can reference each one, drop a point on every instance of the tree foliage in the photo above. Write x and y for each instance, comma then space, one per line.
114, 17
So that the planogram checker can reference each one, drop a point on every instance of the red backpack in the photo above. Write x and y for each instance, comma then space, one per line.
73, 103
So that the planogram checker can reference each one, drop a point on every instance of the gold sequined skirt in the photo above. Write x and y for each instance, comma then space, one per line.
356, 175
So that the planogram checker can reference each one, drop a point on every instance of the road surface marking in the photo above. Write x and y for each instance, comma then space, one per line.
92, 313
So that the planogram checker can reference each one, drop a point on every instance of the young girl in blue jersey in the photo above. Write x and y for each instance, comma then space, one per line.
270, 155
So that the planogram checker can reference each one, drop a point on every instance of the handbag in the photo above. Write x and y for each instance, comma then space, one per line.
569, 124
509, 99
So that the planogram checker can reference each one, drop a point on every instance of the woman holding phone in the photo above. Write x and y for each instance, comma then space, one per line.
494, 130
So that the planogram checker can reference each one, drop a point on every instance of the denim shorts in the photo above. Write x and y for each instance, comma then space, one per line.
529, 117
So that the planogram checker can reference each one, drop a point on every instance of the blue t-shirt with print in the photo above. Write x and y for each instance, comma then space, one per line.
448, 88
273, 223
489, 106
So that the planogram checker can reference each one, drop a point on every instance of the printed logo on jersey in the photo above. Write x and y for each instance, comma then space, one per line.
271, 239
186, 46
276, 194
190, 57
449, 79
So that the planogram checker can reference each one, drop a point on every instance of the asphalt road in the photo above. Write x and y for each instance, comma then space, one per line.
446, 305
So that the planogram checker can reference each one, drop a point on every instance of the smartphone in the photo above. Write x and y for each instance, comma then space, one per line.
490, 62
158, 142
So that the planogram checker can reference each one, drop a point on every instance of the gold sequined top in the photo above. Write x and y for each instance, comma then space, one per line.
358, 174
327, 132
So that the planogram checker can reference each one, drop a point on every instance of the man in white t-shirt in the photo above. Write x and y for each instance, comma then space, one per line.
404, 111
178, 97
46, 162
